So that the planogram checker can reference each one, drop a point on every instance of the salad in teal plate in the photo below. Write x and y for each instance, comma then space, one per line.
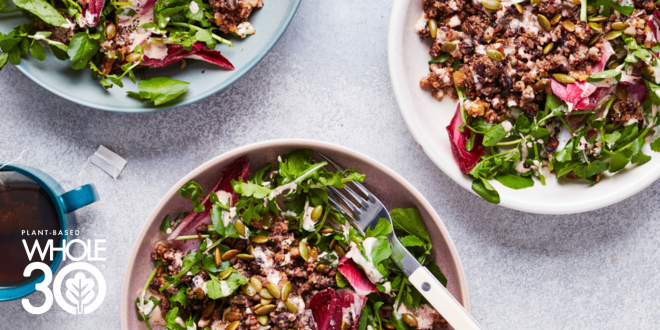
139, 55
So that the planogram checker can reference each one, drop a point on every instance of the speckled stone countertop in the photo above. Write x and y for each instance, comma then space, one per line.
597, 270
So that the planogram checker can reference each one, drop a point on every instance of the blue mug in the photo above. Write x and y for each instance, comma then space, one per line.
65, 203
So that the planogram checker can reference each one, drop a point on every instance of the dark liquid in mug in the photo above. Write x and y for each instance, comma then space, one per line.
24, 207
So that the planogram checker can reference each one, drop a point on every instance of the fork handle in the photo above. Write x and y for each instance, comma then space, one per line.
442, 300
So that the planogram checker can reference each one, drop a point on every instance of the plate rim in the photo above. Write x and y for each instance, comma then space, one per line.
632, 187
236, 152
282, 27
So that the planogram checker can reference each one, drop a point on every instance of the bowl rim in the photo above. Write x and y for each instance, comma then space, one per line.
306, 143
630, 188
186, 101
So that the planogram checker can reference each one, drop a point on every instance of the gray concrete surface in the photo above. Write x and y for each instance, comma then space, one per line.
327, 79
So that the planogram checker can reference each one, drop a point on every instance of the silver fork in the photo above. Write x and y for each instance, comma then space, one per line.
366, 215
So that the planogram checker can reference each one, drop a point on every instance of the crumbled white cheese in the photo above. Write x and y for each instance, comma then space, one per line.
507, 126
245, 29
308, 223
194, 7
368, 266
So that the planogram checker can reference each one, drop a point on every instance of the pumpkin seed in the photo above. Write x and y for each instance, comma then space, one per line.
548, 48
495, 55
120, 55
620, 26
260, 239
233, 326
433, 27
244, 256
199, 292
410, 319
225, 273
263, 319
313, 254
317, 213
291, 306
564, 78
597, 19
209, 308
344, 326
339, 251
591, 9
240, 227
594, 39
575, 2
274, 290
387, 307
264, 310
614, 65
250, 249
248, 289
544, 22
265, 301
133, 57
555, 19
304, 251
648, 70
265, 294
595, 26
519, 8
332, 244
492, 4
612, 35
389, 326
448, 47
110, 31
229, 254
232, 316
286, 290
327, 231
568, 25
541, 85
534, 3
218, 257
256, 283
622, 92
267, 221
320, 268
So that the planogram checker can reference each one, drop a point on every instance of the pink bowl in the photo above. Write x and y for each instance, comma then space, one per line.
392, 189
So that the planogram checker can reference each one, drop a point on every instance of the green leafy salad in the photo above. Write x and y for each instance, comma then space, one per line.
266, 250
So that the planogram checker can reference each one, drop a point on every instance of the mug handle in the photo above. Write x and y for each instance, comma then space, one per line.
79, 197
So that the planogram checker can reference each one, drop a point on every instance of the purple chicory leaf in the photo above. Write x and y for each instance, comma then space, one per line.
463, 158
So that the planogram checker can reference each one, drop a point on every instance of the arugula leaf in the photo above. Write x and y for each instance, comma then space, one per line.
166, 224
4, 58
523, 124
180, 298
171, 317
484, 189
60, 51
494, 135
233, 282
81, 50
410, 221
37, 50
618, 161
193, 191
341, 280
435, 270
381, 229
626, 10
160, 90
640, 159
43, 10
612, 137
209, 264
411, 241
3, 4
380, 251
566, 154
248, 189
515, 181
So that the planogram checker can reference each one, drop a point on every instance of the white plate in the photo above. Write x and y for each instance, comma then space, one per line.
427, 118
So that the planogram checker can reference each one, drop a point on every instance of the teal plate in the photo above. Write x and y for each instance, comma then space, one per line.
205, 79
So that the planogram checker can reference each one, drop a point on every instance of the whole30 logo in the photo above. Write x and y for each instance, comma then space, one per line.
78, 288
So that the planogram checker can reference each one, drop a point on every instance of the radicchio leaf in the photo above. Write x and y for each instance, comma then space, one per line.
199, 51
239, 169
328, 309
92, 13
356, 276
464, 159
582, 95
